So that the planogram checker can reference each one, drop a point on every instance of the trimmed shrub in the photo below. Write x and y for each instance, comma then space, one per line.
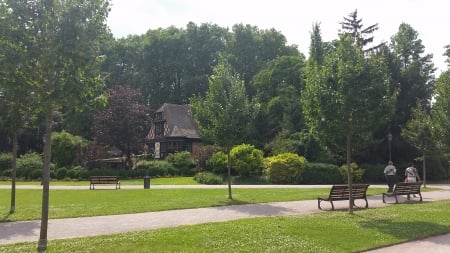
182, 162
27, 163
247, 160
356, 173
217, 163
322, 173
154, 168
285, 168
208, 178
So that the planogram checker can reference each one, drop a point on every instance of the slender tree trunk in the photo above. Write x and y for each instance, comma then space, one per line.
42, 244
13, 172
230, 196
424, 177
349, 173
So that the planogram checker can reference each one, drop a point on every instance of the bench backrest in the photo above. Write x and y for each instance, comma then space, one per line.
104, 179
407, 188
341, 191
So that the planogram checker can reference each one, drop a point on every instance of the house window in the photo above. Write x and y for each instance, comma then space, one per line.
159, 129
188, 146
158, 116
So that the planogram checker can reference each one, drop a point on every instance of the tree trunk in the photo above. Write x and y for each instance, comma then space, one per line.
42, 244
230, 196
13, 172
424, 176
349, 173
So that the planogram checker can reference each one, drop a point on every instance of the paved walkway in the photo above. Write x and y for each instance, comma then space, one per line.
28, 231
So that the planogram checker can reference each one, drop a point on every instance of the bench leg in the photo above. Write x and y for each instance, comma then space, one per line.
383, 199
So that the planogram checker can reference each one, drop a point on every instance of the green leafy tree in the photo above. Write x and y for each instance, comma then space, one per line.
16, 98
440, 114
413, 76
63, 39
347, 98
225, 116
67, 149
418, 132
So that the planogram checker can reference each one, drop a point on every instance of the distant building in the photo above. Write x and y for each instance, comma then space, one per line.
173, 129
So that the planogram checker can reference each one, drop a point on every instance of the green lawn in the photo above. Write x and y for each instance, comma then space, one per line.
322, 232
155, 181
82, 203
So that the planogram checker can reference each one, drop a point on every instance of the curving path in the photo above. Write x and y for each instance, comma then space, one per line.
27, 231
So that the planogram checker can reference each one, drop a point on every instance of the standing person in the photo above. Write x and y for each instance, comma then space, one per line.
412, 175
389, 173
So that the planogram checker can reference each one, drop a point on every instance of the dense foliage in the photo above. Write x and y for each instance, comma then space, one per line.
245, 84
286, 168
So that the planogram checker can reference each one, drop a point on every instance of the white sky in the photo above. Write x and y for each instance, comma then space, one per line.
293, 18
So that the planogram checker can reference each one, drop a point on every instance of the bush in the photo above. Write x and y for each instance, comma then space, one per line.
67, 149
5, 161
285, 168
182, 163
322, 173
27, 163
35, 174
208, 178
61, 173
217, 163
246, 160
356, 173
75, 172
154, 168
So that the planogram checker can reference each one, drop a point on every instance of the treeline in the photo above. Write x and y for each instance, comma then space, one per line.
172, 65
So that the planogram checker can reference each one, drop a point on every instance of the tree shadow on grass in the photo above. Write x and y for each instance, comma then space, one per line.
262, 209
406, 230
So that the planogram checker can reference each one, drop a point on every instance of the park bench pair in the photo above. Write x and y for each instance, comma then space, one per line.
359, 191
104, 180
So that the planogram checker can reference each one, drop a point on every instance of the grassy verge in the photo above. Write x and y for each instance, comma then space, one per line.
82, 203
323, 232
155, 181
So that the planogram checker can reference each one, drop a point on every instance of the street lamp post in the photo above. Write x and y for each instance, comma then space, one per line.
389, 136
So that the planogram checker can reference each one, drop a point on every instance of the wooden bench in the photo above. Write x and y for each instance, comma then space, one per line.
104, 180
341, 192
404, 189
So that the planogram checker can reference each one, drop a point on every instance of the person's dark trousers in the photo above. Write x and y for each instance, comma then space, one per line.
391, 180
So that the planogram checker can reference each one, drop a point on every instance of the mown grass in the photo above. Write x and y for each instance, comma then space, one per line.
83, 203
336, 231
155, 181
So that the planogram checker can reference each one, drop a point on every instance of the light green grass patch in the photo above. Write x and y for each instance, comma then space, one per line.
336, 231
